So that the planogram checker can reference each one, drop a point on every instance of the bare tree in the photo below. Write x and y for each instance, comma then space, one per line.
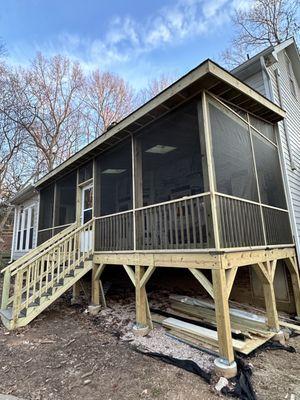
264, 23
108, 99
45, 105
154, 87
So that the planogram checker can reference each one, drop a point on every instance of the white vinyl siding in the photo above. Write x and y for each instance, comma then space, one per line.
256, 81
292, 106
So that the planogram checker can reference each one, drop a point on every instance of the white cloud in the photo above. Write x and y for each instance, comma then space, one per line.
127, 39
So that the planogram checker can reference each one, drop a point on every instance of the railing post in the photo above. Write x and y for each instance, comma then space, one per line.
17, 296
6, 288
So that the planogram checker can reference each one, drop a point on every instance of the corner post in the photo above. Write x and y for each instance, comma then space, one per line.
222, 315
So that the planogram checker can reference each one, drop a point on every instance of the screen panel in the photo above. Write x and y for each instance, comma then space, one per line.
46, 207
113, 190
269, 172
171, 156
86, 172
232, 153
65, 207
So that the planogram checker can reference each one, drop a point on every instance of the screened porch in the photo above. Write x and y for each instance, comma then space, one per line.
205, 176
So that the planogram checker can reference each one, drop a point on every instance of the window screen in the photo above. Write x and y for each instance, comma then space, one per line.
65, 208
269, 172
171, 156
86, 172
234, 167
263, 127
115, 186
46, 207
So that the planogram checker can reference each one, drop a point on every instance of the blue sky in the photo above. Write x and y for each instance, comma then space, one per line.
137, 39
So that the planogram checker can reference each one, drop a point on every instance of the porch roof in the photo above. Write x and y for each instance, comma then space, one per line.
208, 76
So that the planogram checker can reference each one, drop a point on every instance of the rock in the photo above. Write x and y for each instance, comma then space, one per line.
222, 382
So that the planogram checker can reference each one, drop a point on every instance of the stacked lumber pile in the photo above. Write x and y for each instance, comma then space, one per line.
193, 321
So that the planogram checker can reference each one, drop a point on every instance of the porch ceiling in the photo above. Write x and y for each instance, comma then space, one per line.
208, 76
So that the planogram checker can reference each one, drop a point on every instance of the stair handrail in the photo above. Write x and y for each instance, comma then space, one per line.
48, 249
39, 248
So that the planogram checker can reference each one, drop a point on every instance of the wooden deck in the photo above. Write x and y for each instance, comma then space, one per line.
223, 265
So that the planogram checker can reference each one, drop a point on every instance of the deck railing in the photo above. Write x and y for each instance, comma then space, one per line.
186, 223
177, 224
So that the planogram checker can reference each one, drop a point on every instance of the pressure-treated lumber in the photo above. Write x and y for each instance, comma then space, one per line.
292, 266
222, 314
201, 278
265, 275
140, 298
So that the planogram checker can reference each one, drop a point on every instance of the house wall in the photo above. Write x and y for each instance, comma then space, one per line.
257, 82
269, 88
34, 201
289, 156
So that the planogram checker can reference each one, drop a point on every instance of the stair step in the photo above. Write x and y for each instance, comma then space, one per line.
59, 283
7, 313
35, 303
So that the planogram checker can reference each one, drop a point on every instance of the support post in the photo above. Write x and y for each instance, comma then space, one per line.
269, 295
97, 297
292, 266
76, 293
141, 302
6, 289
222, 316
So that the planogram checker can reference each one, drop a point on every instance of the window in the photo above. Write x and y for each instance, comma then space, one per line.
114, 180
291, 76
25, 228
269, 172
232, 153
171, 156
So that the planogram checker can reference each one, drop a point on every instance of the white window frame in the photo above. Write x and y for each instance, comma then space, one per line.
21, 221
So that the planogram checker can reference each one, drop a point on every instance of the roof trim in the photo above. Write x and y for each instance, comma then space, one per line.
208, 68
23, 195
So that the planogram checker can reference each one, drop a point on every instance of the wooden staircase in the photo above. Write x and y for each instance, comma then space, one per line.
40, 277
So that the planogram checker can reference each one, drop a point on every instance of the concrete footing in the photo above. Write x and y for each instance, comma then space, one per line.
94, 310
140, 330
225, 369
279, 337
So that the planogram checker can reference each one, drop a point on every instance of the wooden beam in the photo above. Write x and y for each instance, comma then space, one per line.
269, 296
130, 273
99, 271
292, 266
147, 275
222, 315
230, 277
140, 298
95, 287
201, 278
264, 270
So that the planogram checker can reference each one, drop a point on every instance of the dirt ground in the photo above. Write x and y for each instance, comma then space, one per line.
66, 354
